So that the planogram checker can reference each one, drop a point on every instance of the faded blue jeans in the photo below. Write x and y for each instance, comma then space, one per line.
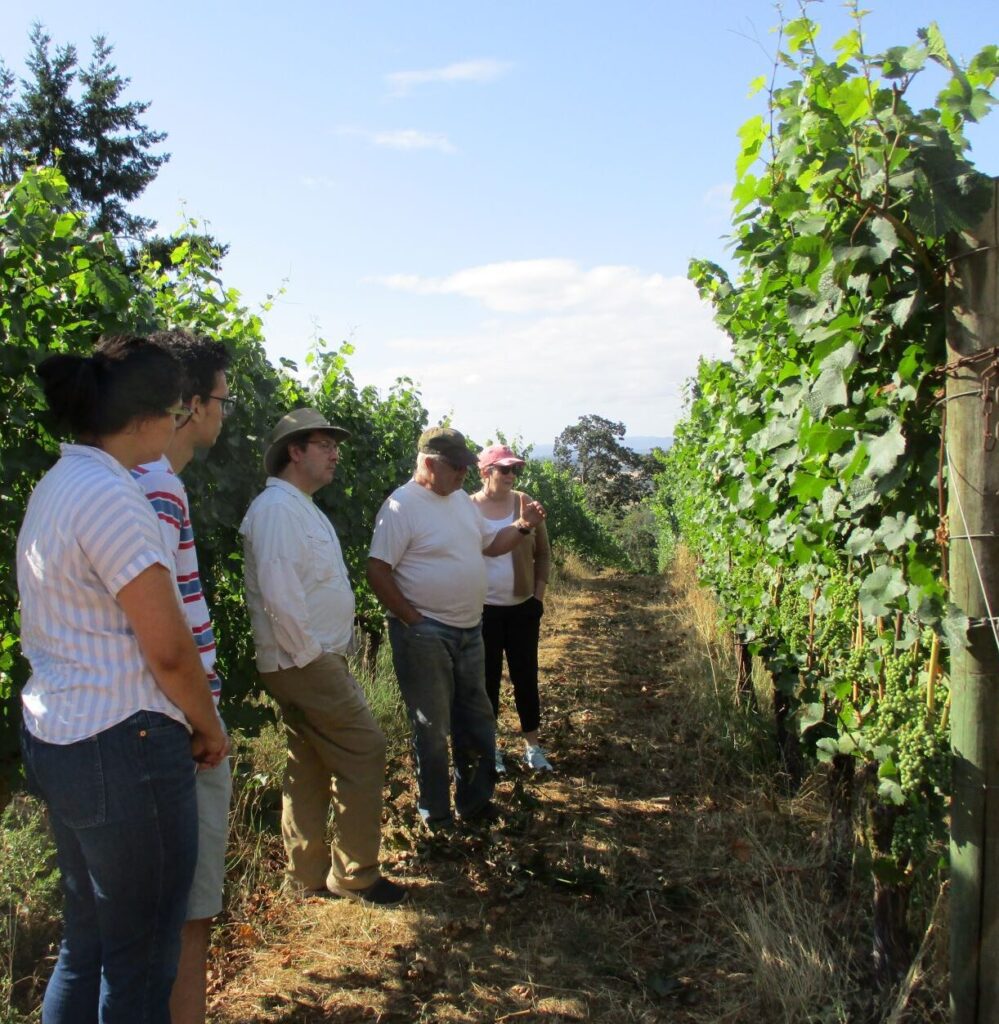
441, 673
123, 810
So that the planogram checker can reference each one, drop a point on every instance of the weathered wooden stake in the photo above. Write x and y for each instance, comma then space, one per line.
973, 517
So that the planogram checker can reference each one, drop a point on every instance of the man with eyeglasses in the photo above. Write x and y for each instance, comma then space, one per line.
302, 611
204, 403
426, 568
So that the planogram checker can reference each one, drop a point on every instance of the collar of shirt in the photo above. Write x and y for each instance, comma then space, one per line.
283, 485
313, 509
88, 451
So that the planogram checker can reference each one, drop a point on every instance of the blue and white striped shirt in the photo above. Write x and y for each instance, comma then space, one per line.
88, 531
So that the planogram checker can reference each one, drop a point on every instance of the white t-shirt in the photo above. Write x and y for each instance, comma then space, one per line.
297, 590
88, 531
434, 544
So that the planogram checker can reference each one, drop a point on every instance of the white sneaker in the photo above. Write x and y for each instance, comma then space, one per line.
534, 757
500, 766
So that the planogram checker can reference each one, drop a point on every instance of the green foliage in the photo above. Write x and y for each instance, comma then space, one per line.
29, 905
160, 248
97, 139
804, 474
572, 522
385, 699
634, 531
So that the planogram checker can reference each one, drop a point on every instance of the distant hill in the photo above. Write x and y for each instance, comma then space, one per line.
639, 443
644, 444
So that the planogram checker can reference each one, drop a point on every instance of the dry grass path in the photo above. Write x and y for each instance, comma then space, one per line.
609, 893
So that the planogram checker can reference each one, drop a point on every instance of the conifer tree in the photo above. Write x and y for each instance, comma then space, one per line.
79, 119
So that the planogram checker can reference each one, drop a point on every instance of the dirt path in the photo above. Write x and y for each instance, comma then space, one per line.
604, 894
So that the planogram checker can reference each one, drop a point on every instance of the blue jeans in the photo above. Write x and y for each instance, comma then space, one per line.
441, 673
123, 810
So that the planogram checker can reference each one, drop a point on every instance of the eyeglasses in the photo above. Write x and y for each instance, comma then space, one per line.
507, 470
227, 402
326, 446
458, 467
180, 413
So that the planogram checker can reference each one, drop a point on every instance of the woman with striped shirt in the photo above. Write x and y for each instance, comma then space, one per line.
117, 712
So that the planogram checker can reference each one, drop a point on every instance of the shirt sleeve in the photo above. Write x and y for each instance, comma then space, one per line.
276, 541
120, 536
166, 494
392, 534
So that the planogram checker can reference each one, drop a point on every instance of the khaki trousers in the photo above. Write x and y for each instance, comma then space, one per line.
336, 756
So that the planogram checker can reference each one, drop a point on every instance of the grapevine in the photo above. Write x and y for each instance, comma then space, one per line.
805, 472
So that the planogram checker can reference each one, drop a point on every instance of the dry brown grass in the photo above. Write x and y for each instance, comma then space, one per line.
658, 875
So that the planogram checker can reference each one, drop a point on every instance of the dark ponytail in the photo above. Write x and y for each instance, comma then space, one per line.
127, 378
71, 390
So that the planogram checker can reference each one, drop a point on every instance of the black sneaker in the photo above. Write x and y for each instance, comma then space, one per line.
382, 893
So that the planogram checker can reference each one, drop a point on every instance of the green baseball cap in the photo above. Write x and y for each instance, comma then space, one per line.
449, 444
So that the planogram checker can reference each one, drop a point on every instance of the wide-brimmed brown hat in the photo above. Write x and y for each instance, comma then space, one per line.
298, 421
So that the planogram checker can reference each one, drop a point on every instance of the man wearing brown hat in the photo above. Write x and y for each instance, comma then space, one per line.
302, 611
426, 568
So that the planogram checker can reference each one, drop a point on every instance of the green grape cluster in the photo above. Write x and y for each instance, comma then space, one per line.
854, 669
792, 622
921, 753
835, 634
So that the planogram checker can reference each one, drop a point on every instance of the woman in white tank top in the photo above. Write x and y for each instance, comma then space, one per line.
511, 618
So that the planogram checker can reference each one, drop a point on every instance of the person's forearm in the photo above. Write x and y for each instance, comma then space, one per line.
209, 743
187, 686
505, 541
388, 593
150, 604
532, 515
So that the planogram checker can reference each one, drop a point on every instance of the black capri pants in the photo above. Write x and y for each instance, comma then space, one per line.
513, 630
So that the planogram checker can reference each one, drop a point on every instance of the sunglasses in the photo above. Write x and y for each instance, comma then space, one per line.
507, 470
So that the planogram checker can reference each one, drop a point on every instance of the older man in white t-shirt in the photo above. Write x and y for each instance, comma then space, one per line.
426, 568
302, 610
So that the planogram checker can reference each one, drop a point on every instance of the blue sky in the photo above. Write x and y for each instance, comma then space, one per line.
498, 200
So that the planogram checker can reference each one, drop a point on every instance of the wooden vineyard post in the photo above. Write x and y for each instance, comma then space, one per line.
973, 521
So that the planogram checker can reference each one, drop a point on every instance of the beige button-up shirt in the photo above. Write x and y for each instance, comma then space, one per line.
299, 596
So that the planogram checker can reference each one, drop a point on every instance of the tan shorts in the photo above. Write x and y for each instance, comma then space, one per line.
214, 789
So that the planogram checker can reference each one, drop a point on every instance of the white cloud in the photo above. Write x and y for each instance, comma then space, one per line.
567, 341
318, 181
548, 285
485, 69
409, 138
403, 138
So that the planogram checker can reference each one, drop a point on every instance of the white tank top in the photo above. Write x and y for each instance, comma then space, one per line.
499, 571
